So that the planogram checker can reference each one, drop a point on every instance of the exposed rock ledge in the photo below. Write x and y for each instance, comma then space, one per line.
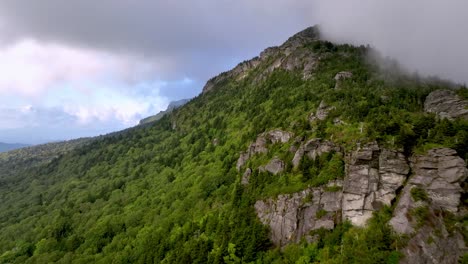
373, 178
293, 216
260, 145
446, 104
439, 175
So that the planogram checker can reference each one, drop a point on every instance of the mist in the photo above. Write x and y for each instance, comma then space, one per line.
428, 37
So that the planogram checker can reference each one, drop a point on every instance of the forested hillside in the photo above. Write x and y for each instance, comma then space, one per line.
175, 191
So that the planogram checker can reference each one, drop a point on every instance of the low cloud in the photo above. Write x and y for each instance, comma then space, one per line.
425, 36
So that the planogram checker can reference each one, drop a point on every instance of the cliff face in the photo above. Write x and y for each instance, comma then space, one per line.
374, 177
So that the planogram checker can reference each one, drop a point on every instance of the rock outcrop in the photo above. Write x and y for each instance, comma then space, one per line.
293, 216
373, 176
339, 77
313, 148
246, 176
435, 187
275, 166
446, 104
322, 112
260, 145
290, 56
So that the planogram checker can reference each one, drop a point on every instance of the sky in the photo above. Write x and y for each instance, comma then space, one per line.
83, 68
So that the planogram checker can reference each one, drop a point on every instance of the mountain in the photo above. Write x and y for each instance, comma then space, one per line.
7, 147
308, 153
171, 107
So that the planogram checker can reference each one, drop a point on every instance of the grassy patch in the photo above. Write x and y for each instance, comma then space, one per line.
419, 194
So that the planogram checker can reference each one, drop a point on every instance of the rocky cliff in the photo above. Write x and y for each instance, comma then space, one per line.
374, 177
446, 104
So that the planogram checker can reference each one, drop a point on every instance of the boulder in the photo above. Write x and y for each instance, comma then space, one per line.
446, 104
275, 166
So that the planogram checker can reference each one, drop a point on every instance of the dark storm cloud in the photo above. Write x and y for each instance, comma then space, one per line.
190, 37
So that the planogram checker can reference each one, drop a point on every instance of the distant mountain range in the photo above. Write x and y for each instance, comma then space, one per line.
171, 107
4, 147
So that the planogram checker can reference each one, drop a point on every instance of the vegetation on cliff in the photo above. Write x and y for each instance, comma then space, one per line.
169, 192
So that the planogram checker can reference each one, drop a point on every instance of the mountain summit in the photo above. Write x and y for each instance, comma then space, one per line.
304, 154
291, 55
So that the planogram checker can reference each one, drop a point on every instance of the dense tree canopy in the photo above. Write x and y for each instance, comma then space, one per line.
169, 191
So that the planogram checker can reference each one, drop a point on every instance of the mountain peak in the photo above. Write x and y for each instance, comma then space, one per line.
289, 56
306, 35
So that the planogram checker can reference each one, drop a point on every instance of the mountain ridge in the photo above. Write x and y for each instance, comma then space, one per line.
172, 106
300, 157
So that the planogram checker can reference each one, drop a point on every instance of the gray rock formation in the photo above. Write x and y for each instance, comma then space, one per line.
278, 136
439, 175
339, 77
373, 176
446, 104
260, 145
290, 56
313, 149
275, 166
293, 216
246, 176
322, 112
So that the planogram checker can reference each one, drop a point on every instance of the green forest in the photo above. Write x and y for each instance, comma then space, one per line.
169, 191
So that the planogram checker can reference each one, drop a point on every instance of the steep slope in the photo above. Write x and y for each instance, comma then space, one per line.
287, 150
172, 105
15, 162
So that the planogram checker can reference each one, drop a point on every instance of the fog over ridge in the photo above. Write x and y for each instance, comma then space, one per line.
426, 36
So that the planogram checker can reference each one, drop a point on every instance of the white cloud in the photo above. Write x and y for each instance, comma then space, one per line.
86, 86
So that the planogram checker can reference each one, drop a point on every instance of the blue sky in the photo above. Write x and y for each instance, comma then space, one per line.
83, 68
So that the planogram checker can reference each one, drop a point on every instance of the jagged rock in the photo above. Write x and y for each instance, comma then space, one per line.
246, 177
243, 158
293, 216
259, 146
339, 77
439, 174
373, 176
291, 56
275, 166
278, 136
428, 246
313, 148
322, 112
446, 104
